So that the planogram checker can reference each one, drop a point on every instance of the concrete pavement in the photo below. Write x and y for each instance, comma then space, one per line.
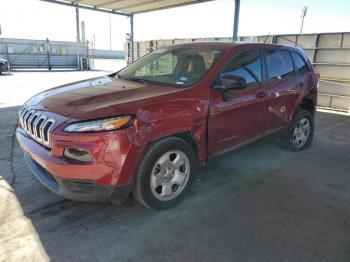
260, 203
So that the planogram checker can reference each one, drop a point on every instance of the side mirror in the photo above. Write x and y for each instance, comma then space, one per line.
227, 83
231, 83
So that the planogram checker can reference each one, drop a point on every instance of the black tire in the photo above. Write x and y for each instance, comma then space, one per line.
299, 115
142, 191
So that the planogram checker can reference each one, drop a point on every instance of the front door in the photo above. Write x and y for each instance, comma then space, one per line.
241, 117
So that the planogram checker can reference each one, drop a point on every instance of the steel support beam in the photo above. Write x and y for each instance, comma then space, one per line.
236, 20
85, 7
78, 37
132, 50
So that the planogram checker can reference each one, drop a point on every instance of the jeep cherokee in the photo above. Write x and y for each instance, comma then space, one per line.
146, 129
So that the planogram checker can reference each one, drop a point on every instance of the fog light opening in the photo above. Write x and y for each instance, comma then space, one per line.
77, 154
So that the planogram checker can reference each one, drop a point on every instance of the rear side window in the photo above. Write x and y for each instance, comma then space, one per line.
247, 65
299, 64
279, 64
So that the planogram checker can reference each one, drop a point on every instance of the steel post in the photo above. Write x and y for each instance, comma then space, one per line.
132, 51
78, 37
236, 20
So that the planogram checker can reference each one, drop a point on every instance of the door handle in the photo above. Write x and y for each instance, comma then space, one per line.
261, 95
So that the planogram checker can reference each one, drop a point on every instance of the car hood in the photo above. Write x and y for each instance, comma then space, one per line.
98, 97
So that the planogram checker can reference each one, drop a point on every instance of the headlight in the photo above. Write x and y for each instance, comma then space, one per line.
107, 124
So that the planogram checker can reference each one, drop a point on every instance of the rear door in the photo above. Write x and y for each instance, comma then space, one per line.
304, 77
283, 87
243, 116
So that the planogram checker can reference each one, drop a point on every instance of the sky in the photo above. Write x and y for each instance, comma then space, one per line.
34, 19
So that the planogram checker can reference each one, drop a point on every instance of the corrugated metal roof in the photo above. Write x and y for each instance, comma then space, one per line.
126, 7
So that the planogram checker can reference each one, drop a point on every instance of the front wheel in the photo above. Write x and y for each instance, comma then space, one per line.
165, 173
301, 131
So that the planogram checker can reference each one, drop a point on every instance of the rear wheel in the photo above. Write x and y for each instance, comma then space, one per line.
301, 131
165, 173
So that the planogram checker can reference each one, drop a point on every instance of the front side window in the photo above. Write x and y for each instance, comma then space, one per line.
246, 65
177, 67
299, 63
279, 64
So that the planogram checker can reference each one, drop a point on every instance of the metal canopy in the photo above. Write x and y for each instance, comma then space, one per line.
126, 7
129, 8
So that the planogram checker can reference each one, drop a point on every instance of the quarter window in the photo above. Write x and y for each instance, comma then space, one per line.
299, 64
246, 65
279, 64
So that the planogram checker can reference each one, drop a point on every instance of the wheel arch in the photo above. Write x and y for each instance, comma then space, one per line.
188, 137
185, 135
307, 104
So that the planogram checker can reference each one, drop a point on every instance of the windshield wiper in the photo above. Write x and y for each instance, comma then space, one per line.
149, 81
139, 80
115, 74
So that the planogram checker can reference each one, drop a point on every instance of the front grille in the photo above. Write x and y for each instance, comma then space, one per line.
37, 125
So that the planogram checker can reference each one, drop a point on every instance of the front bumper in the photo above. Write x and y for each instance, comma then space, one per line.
79, 190
108, 176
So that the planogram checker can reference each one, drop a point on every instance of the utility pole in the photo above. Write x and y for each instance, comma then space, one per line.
83, 36
132, 49
47, 47
303, 14
78, 37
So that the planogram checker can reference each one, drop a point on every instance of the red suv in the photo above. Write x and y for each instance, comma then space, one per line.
147, 128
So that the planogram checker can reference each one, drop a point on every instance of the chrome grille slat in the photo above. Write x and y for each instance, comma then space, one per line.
46, 130
41, 128
21, 110
37, 125
20, 114
32, 124
29, 115
25, 112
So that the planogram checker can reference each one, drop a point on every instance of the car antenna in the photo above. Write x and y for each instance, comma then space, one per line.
266, 38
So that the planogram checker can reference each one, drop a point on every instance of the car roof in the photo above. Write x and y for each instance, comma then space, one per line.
230, 45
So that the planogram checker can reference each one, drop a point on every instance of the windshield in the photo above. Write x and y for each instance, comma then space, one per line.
176, 67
